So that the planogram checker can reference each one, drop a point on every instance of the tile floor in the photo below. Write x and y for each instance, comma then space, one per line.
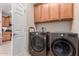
5, 49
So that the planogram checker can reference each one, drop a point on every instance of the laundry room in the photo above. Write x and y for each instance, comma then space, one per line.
39, 29
53, 22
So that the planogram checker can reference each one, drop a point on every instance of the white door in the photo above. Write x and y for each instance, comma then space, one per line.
19, 28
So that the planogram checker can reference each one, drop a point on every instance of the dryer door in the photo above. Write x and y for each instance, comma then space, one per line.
38, 43
62, 47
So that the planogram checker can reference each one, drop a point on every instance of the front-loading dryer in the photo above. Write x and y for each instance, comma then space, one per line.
63, 44
37, 43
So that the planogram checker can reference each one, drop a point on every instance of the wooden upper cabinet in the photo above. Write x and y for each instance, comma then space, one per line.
66, 10
37, 13
54, 11
45, 12
5, 21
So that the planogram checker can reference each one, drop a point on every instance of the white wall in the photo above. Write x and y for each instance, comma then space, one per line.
0, 27
30, 22
62, 26
75, 25
30, 15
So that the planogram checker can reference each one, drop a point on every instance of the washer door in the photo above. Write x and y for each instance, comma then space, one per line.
62, 47
38, 43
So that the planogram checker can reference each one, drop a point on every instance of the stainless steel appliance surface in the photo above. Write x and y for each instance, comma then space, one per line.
38, 43
63, 44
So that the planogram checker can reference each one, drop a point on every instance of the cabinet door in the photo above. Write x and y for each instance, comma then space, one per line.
37, 13
6, 36
45, 12
66, 10
5, 21
54, 11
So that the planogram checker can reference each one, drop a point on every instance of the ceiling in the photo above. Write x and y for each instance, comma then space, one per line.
6, 9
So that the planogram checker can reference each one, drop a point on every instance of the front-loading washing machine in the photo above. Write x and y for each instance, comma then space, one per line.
63, 44
37, 43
